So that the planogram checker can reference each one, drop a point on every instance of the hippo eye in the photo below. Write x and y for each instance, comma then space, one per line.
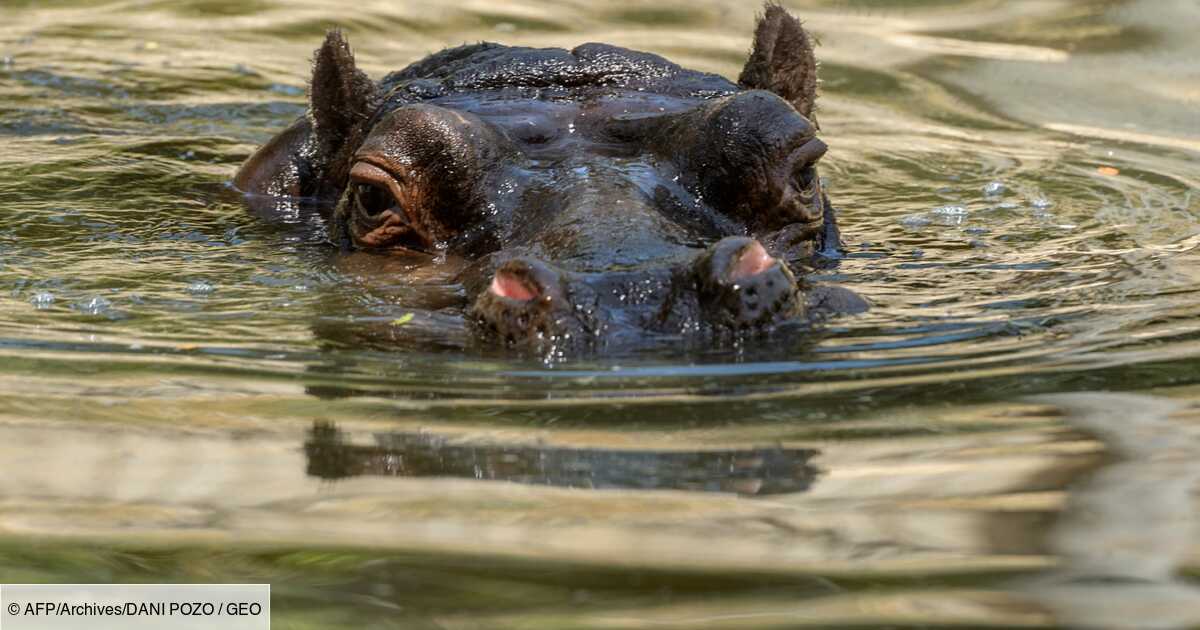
372, 199
806, 178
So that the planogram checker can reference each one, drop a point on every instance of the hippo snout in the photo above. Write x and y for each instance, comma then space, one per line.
733, 287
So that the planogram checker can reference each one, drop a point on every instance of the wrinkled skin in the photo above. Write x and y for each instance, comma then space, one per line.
599, 195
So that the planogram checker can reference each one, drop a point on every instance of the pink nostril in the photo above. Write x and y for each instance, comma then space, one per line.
751, 261
508, 285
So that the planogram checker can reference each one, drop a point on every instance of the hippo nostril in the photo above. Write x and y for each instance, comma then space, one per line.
743, 287
509, 285
751, 261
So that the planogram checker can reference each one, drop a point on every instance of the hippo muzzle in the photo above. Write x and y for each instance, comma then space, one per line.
735, 287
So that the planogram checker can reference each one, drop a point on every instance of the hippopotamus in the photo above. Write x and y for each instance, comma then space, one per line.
596, 195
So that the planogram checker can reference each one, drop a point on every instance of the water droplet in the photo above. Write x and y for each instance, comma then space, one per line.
42, 300
200, 287
950, 215
94, 306
951, 211
1041, 202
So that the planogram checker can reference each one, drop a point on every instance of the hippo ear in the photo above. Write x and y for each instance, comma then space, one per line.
782, 60
341, 97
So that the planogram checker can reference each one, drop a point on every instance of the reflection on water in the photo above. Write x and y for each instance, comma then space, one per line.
1128, 528
1018, 189
748, 472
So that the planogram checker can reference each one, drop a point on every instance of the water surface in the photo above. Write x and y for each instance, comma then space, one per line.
1008, 438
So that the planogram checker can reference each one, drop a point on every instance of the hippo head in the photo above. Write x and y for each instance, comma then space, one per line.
597, 194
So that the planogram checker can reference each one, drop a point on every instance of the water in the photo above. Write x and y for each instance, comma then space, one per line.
190, 394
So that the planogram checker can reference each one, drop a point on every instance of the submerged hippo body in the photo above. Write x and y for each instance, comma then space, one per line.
598, 194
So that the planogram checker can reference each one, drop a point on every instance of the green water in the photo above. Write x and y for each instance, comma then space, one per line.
1008, 438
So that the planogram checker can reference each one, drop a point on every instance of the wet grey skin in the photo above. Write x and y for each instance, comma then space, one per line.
601, 195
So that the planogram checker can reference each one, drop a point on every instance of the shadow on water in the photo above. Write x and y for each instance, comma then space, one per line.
746, 472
